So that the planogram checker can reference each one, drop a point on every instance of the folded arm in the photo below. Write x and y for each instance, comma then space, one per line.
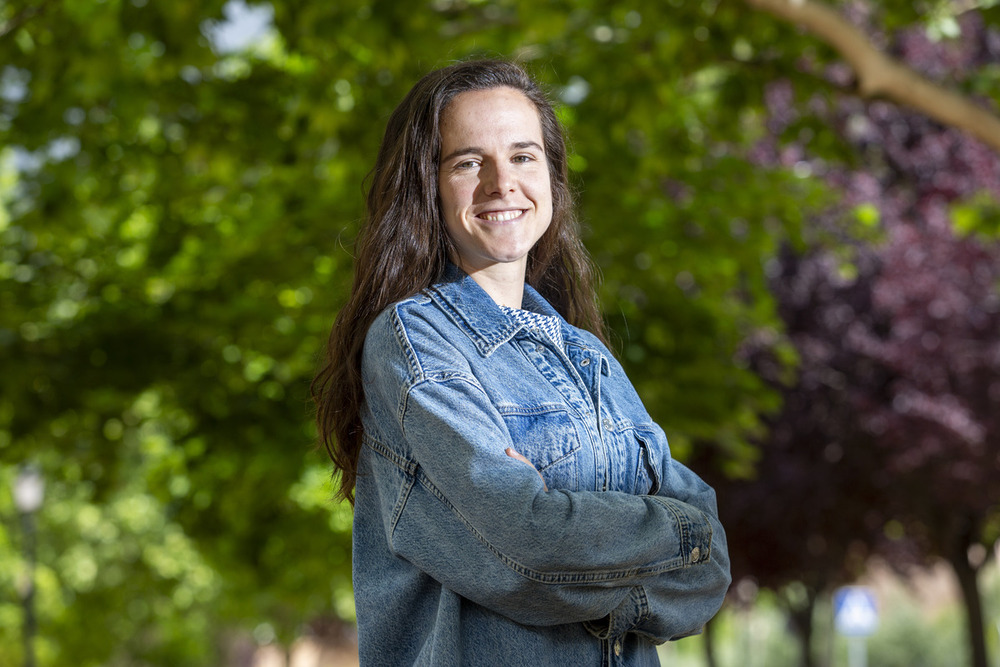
675, 604
501, 540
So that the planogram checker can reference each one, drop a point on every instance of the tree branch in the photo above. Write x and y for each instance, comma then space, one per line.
879, 75
22, 17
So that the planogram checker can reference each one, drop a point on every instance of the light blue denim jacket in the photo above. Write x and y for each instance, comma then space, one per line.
460, 555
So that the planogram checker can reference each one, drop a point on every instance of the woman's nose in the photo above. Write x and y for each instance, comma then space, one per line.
498, 179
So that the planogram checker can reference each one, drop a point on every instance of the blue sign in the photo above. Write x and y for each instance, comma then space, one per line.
854, 611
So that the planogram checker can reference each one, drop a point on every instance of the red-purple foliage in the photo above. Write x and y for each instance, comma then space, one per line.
894, 418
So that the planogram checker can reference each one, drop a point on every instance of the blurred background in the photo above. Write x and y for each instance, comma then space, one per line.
800, 246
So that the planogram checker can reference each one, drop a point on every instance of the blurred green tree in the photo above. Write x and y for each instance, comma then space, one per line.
176, 211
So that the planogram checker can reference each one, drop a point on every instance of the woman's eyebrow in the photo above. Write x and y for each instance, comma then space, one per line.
468, 150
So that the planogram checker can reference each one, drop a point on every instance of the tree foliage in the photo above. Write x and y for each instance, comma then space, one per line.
176, 215
889, 432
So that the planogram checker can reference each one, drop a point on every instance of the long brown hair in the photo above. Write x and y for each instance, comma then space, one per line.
403, 247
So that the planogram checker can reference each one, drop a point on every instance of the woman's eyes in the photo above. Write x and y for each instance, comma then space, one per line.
517, 159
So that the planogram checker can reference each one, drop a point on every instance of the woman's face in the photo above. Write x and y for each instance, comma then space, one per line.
496, 199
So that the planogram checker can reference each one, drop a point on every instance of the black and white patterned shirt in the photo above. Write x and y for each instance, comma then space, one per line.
545, 323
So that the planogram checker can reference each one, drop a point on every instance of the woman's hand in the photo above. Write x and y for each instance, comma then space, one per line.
514, 454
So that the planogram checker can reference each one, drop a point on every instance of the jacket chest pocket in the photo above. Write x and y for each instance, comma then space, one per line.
631, 459
647, 478
548, 437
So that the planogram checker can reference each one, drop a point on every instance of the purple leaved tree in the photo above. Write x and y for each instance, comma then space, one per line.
889, 438
814, 511
936, 423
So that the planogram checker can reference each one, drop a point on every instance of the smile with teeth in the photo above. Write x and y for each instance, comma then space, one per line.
501, 216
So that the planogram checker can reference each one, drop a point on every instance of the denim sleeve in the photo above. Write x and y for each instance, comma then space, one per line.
481, 523
676, 604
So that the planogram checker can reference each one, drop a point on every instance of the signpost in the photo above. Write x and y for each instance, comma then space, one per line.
855, 616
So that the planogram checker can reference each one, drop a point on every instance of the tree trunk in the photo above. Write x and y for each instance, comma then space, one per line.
709, 636
968, 582
801, 618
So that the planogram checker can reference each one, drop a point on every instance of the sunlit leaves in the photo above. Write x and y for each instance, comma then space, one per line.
176, 223
978, 216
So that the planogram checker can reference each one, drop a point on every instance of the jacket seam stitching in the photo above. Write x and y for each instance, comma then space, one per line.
404, 343
407, 467
552, 577
643, 606
683, 532
401, 462
415, 368
486, 344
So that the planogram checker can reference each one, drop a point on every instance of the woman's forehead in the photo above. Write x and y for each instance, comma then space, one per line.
496, 114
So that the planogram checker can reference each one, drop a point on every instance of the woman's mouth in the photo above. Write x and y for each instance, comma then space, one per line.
501, 216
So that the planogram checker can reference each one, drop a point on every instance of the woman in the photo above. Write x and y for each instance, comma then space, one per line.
514, 502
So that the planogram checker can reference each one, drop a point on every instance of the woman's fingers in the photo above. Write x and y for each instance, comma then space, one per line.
514, 454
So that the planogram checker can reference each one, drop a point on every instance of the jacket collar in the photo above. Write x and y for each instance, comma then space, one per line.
477, 314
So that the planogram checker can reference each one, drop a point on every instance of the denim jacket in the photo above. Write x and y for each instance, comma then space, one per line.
461, 557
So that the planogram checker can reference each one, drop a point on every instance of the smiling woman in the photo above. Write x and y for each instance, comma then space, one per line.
496, 198
514, 502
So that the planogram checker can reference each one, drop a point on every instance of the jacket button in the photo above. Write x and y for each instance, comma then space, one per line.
695, 555
585, 362
618, 647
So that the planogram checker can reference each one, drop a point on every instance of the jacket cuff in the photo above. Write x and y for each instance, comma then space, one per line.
630, 613
694, 531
